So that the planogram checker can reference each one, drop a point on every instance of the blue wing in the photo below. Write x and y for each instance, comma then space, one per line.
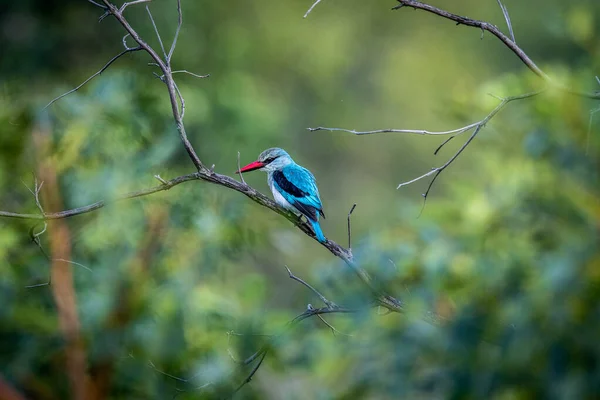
298, 186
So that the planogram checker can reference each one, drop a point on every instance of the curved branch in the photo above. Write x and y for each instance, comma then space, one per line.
108, 64
165, 67
486, 26
311, 8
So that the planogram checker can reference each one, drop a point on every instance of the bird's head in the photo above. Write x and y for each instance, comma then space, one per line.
269, 160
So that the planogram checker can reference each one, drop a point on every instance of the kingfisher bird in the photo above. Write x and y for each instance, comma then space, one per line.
293, 186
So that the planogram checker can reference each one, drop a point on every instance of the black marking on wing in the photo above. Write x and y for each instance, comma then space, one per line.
288, 186
309, 211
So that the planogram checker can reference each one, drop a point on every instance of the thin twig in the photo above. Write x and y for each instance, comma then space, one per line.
132, 3
127, 50
125, 42
74, 263
413, 131
35, 236
507, 18
311, 8
240, 170
36, 285
349, 228
333, 328
443, 144
181, 100
97, 4
179, 23
183, 71
328, 303
252, 373
179, 379
162, 46
151, 365
262, 352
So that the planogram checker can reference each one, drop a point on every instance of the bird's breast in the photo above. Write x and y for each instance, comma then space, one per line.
279, 199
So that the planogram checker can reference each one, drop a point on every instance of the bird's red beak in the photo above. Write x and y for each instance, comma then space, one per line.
251, 167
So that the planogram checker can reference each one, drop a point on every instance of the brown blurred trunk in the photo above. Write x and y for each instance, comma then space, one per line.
61, 272
7, 392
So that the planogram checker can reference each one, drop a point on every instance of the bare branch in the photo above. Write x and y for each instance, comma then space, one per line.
161, 180
435, 172
183, 71
36, 285
97, 4
443, 144
350, 230
127, 50
181, 100
481, 25
179, 23
333, 329
151, 365
168, 79
132, 3
179, 379
125, 42
35, 236
262, 352
74, 263
162, 46
486, 26
507, 18
478, 126
252, 373
240, 170
328, 303
413, 131
311, 8
99, 204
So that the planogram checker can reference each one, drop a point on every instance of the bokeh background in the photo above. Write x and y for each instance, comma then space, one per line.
506, 248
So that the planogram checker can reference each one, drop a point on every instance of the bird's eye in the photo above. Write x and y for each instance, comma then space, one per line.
270, 159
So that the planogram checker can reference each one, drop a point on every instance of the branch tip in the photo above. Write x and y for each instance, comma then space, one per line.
311, 8
349, 228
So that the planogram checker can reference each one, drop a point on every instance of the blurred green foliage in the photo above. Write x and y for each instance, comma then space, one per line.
506, 247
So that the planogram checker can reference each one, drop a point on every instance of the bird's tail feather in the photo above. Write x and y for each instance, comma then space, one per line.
318, 232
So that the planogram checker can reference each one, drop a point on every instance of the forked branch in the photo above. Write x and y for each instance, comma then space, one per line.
476, 128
